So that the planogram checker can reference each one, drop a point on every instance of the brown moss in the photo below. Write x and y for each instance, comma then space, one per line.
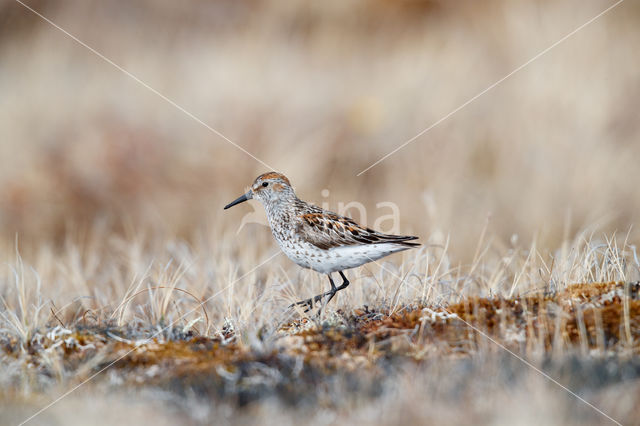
518, 323
603, 316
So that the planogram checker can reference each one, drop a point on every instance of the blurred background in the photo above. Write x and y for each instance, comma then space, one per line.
319, 91
113, 195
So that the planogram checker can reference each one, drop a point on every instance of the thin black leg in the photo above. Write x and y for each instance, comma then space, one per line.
345, 284
310, 302
333, 286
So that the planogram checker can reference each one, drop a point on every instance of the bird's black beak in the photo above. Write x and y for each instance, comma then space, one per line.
240, 199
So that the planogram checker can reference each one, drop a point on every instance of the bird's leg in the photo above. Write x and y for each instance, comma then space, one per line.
310, 302
334, 289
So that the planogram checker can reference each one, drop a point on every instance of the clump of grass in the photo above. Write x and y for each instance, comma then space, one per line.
23, 308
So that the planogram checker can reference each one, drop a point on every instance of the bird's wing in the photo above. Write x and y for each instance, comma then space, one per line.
326, 230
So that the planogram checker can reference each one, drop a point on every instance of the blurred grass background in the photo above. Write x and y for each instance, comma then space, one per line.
319, 91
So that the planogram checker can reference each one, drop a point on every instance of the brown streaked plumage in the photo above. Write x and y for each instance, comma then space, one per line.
316, 238
327, 230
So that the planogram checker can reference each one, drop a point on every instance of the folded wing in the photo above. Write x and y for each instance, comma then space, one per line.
327, 230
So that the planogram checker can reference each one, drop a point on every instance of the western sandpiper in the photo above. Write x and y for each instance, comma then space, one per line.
318, 239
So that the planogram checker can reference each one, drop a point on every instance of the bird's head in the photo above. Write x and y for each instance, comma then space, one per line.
269, 187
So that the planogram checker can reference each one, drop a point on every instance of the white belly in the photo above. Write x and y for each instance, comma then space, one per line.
337, 258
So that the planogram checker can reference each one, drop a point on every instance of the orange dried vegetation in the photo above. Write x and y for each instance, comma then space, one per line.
604, 317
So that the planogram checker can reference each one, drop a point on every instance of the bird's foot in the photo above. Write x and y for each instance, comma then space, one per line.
311, 302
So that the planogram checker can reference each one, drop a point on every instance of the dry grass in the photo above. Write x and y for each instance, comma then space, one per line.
113, 242
237, 349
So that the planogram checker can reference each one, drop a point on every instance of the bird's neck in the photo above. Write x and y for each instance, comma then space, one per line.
281, 210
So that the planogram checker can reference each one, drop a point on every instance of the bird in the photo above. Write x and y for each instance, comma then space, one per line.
318, 239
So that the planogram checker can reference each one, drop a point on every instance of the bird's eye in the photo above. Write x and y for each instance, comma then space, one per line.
265, 184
